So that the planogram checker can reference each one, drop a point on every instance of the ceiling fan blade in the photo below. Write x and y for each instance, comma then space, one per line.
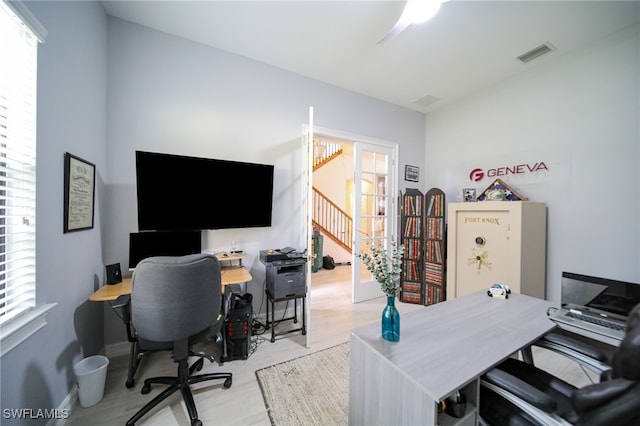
415, 11
399, 27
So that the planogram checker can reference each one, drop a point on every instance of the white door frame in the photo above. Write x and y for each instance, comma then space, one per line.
392, 190
307, 141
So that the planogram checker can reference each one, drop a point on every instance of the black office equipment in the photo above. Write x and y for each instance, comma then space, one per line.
285, 280
598, 305
114, 274
238, 327
268, 256
177, 192
286, 272
286, 277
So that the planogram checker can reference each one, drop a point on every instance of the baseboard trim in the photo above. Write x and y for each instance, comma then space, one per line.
68, 405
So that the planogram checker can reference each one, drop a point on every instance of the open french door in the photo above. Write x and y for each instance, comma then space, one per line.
374, 218
308, 226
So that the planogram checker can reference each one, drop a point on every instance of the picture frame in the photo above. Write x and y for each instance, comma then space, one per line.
411, 173
469, 194
500, 191
79, 193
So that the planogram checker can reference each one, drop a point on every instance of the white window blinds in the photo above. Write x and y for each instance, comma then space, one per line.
18, 55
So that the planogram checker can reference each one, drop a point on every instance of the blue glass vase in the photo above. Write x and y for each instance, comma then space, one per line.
391, 321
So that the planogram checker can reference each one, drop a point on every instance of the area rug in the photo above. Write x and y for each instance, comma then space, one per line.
310, 390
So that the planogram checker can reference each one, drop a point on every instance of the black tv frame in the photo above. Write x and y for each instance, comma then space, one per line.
177, 193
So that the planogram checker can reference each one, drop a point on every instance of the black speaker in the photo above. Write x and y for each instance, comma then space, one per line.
114, 276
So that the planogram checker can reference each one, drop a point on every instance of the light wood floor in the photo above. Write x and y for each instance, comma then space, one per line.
332, 318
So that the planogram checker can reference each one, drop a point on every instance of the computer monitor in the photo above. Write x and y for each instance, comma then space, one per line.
607, 295
162, 243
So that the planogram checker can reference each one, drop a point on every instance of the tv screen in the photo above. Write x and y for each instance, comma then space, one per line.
148, 244
190, 193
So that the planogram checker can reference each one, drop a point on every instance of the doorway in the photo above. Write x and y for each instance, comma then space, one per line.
371, 220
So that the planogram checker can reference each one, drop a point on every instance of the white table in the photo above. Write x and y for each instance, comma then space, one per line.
443, 348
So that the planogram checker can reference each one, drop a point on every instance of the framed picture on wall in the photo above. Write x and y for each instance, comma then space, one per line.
411, 173
79, 193
469, 194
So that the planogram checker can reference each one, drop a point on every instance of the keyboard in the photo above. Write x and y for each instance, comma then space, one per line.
597, 320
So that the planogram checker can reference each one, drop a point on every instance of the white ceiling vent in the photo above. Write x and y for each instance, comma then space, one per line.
426, 100
543, 49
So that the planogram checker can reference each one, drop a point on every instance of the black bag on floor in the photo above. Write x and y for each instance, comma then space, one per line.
328, 262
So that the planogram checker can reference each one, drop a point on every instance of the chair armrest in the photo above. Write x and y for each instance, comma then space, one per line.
520, 389
584, 354
531, 374
576, 345
592, 396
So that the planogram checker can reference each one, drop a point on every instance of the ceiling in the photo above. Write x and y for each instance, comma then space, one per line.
467, 47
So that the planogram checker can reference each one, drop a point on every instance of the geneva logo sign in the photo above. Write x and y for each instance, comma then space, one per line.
477, 174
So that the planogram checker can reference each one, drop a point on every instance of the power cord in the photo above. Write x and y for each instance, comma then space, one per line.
256, 341
258, 327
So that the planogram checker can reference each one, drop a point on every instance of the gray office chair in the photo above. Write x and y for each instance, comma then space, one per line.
177, 301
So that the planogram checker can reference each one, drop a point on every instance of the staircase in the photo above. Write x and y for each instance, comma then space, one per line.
324, 152
334, 222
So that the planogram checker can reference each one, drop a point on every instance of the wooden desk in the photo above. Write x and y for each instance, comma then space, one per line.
231, 273
234, 274
443, 348
110, 292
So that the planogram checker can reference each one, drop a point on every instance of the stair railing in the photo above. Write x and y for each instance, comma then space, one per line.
323, 152
332, 220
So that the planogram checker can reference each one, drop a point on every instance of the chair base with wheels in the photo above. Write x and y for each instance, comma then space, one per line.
181, 383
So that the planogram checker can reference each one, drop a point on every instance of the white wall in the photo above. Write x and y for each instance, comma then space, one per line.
579, 114
170, 95
72, 93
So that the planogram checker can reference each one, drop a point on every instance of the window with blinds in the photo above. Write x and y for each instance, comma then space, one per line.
18, 55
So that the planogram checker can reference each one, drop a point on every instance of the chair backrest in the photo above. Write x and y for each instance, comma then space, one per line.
626, 360
173, 298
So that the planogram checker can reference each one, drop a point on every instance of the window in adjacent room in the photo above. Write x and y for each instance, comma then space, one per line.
19, 36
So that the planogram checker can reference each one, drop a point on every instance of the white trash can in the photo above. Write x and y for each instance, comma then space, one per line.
91, 375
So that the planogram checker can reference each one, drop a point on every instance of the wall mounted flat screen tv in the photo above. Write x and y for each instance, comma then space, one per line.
178, 192
148, 244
